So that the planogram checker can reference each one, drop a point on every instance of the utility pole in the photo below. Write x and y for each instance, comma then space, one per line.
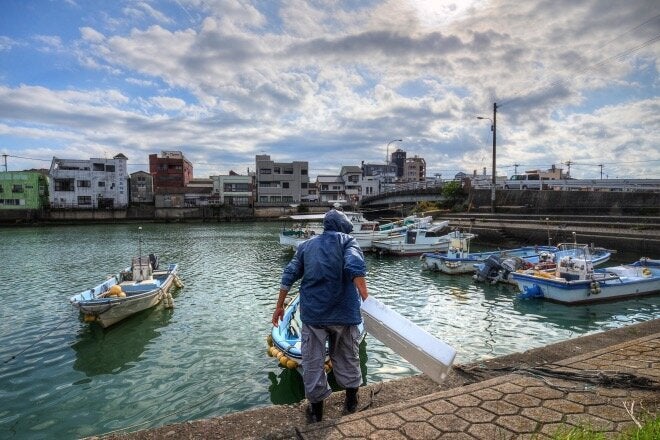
601, 171
493, 128
515, 168
4, 156
568, 164
492, 191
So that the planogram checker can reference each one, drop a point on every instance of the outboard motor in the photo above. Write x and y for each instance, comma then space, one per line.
509, 265
154, 261
490, 269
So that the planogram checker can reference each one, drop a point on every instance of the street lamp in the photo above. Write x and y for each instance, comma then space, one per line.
493, 128
387, 154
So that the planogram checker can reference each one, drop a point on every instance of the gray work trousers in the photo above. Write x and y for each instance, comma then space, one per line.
343, 344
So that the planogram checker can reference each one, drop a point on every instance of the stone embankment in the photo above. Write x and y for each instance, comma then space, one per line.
605, 381
634, 235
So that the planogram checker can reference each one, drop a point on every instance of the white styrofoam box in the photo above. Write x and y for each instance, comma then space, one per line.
429, 354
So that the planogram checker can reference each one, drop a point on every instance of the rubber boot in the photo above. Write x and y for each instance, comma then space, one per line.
315, 412
351, 402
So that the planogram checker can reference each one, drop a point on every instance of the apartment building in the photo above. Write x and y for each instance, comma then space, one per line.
331, 189
281, 182
170, 169
142, 187
414, 169
95, 183
232, 189
23, 190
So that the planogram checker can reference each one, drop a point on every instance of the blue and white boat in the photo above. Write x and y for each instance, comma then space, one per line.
284, 340
496, 269
459, 260
575, 281
136, 288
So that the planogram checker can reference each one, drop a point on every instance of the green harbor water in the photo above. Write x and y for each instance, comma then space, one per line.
62, 378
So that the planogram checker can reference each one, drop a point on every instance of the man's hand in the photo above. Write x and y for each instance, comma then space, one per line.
278, 314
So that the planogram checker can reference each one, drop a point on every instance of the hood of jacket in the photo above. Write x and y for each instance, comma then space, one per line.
337, 221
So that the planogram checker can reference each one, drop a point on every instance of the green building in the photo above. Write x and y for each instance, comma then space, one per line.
23, 190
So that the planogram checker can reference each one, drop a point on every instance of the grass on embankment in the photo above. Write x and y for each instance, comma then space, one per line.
649, 430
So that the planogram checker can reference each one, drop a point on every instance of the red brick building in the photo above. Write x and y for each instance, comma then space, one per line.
170, 169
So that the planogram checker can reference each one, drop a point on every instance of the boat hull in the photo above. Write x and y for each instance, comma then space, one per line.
110, 310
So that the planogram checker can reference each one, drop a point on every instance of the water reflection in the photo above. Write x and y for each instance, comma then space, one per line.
286, 388
585, 317
115, 349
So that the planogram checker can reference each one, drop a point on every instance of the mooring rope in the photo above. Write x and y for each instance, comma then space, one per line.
38, 340
607, 378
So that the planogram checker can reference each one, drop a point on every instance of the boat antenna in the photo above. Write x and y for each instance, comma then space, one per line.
139, 241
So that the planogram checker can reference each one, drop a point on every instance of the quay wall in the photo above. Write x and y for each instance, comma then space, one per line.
574, 202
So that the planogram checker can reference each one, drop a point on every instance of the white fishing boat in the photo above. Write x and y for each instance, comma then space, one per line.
575, 281
459, 260
364, 231
416, 241
136, 288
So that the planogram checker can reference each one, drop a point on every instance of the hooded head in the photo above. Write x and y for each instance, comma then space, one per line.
337, 221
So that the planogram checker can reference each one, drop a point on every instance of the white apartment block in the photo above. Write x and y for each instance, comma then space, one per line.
232, 189
89, 184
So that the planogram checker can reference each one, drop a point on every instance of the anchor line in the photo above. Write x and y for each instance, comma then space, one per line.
209, 397
37, 341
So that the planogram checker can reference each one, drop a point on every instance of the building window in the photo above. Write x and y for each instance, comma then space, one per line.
1, 189
64, 184
110, 168
285, 184
101, 184
98, 167
17, 189
84, 200
84, 184
265, 171
303, 172
277, 170
237, 187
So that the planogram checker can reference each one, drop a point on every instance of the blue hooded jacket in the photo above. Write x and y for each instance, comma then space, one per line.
326, 265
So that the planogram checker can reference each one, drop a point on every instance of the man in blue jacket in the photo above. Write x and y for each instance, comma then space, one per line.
332, 271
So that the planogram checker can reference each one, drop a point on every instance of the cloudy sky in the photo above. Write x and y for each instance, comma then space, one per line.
333, 82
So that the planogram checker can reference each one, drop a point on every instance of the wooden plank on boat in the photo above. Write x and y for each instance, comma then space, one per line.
429, 354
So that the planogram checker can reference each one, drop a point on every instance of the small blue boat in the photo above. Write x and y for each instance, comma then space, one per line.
459, 260
284, 340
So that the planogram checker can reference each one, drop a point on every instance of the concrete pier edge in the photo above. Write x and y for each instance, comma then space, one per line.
386, 398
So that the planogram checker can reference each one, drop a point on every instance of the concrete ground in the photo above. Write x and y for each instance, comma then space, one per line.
604, 381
